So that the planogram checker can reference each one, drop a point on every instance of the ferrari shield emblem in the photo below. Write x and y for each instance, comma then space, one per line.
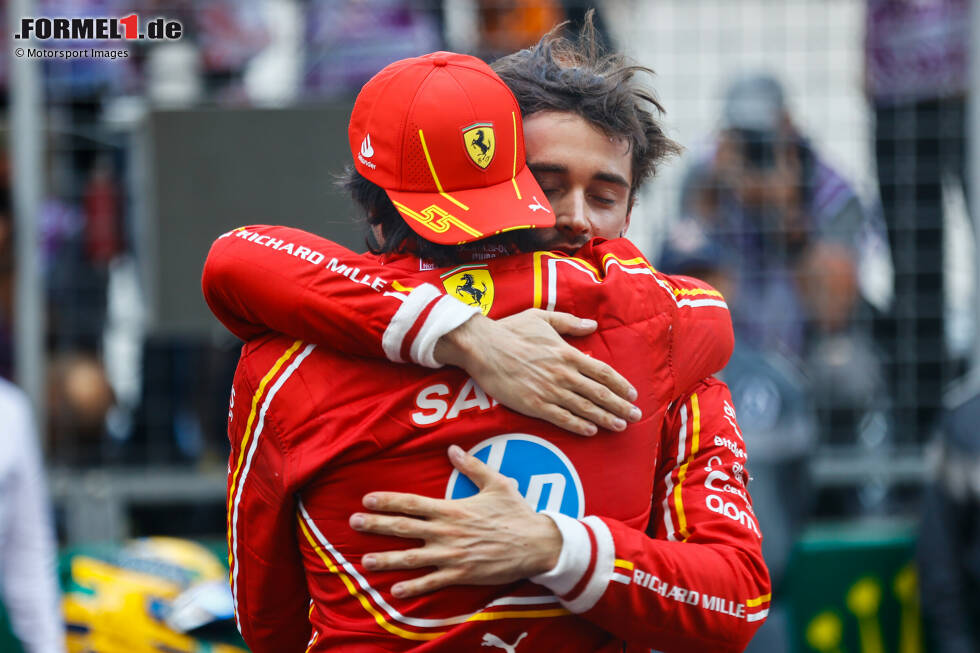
480, 142
472, 286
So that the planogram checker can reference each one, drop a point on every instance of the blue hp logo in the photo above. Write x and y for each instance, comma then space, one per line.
544, 475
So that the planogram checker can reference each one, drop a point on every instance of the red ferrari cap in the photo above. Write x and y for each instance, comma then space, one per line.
442, 134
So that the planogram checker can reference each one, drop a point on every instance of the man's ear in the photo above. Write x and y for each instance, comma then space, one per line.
378, 233
626, 225
375, 237
630, 203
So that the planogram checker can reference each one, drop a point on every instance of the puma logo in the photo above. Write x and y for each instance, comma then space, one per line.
537, 205
489, 639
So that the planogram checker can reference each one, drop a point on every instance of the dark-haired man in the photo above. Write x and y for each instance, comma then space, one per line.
656, 607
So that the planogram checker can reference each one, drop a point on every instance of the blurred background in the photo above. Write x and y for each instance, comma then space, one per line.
823, 189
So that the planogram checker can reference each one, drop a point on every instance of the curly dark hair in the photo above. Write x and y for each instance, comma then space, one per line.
399, 237
576, 75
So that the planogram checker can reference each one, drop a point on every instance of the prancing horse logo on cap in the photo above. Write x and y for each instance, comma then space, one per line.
480, 143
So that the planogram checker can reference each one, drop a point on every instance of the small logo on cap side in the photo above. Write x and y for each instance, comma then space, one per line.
366, 153
537, 206
366, 150
480, 143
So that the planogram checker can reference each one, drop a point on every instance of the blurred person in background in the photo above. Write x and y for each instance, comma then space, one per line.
779, 232
788, 231
27, 544
79, 398
80, 236
348, 41
514, 24
787, 224
228, 34
502, 27
78, 393
916, 72
948, 552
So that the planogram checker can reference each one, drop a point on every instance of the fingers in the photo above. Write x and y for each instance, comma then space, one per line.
424, 584
428, 556
605, 375
585, 408
394, 525
585, 405
472, 467
592, 395
600, 405
566, 323
564, 419
407, 504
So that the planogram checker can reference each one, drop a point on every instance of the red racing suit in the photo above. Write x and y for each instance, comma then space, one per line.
313, 429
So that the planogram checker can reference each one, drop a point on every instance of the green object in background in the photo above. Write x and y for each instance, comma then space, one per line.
8, 643
852, 588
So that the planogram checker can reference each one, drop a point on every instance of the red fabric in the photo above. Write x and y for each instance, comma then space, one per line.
711, 578
255, 283
326, 429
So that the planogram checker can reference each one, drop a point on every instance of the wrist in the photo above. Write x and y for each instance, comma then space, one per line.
457, 347
548, 543
574, 552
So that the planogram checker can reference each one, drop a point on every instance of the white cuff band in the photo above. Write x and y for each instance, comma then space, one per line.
605, 561
446, 315
404, 318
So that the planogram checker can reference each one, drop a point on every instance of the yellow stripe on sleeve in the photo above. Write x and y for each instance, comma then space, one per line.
695, 437
639, 260
248, 431
765, 598
538, 279
696, 291
316, 636
584, 266
397, 285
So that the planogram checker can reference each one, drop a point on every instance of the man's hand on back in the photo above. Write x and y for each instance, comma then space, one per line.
523, 362
491, 538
